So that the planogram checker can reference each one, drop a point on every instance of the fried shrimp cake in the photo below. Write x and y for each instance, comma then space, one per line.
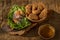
28, 9
33, 17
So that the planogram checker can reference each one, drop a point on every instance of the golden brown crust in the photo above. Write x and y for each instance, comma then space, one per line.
43, 13
41, 6
33, 17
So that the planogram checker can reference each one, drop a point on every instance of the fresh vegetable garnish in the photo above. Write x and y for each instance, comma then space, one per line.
21, 21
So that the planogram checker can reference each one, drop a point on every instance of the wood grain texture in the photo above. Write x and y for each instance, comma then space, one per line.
54, 19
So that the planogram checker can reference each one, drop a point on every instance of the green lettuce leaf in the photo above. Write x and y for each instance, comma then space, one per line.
22, 24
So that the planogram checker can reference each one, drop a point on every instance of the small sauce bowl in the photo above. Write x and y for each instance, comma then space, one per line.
46, 31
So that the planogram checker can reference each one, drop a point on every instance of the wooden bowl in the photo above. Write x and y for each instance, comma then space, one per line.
42, 12
23, 31
6, 28
45, 36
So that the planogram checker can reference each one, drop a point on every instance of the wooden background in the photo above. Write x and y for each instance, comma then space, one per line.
54, 19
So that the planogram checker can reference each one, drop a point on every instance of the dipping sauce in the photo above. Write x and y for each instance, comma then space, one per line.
46, 31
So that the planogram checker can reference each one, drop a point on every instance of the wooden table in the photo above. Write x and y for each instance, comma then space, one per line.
54, 19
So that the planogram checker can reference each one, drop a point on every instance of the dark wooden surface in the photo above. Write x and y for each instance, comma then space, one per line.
54, 19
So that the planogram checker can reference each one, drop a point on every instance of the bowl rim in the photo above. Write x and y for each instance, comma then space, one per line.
48, 26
